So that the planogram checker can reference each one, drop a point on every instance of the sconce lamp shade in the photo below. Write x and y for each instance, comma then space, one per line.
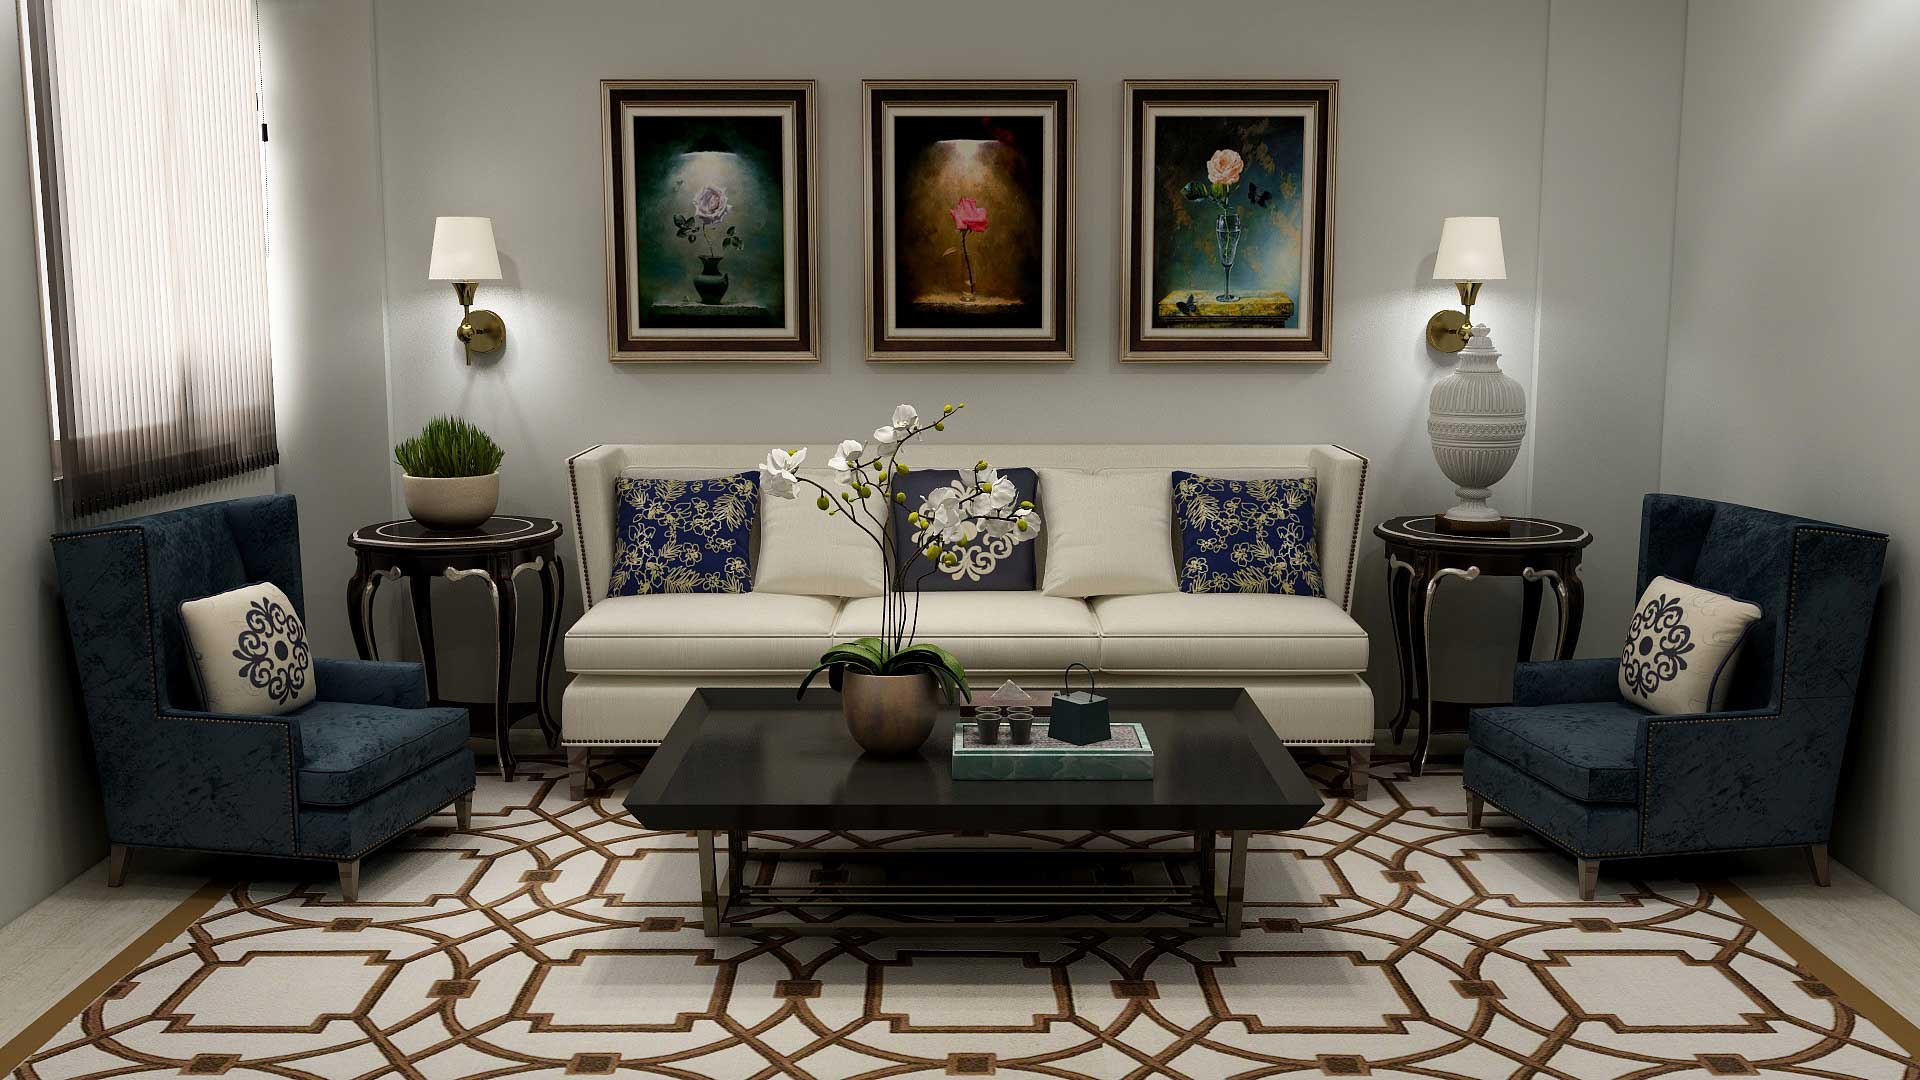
463, 250
1470, 250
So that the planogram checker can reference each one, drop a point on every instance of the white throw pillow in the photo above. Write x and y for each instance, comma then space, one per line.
250, 651
1107, 532
806, 552
1681, 646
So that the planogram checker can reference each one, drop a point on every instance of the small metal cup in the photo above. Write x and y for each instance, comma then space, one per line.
1020, 720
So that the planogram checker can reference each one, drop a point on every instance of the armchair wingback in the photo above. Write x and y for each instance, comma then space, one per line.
346, 773
1604, 778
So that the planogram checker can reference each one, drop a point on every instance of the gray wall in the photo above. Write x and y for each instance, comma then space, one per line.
324, 242
1791, 379
46, 784
1442, 111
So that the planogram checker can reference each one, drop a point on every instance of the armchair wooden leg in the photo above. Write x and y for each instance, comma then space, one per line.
1476, 808
463, 811
1359, 758
1589, 877
1817, 861
579, 768
350, 880
117, 856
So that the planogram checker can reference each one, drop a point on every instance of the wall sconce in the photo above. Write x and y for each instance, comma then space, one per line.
1470, 254
463, 253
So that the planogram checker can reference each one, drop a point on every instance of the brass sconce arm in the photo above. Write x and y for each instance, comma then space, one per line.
1449, 330
480, 331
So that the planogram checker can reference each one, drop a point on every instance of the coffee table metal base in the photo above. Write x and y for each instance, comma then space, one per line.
1193, 900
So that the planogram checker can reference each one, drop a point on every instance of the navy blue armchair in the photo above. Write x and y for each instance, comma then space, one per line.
1604, 779
358, 766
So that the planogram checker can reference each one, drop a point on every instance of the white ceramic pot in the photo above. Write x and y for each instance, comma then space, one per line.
451, 502
1476, 420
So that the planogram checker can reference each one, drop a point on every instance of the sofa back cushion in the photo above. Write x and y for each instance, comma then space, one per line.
805, 551
1340, 476
1106, 532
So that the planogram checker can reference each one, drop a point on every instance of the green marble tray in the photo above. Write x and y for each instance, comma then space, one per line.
1126, 756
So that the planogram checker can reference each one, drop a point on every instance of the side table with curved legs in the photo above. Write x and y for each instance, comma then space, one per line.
495, 553
1535, 550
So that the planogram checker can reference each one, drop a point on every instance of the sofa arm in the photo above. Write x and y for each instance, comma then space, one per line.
1755, 778
400, 684
1564, 682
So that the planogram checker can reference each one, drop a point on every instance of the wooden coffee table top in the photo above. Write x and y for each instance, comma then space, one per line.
759, 759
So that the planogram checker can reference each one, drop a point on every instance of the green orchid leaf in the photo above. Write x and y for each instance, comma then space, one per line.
933, 657
864, 655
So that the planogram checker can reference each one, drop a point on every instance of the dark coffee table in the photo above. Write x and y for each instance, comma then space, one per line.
739, 761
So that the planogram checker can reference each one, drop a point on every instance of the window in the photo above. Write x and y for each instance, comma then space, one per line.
145, 132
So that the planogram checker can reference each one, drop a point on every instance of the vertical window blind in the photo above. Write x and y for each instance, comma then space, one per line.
152, 231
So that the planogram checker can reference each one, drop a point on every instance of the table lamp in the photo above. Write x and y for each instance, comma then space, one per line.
464, 253
1477, 416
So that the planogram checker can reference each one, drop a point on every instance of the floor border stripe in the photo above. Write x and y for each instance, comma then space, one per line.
171, 925
1853, 993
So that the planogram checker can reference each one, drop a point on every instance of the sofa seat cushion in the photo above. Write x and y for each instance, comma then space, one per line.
1583, 750
1227, 632
677, 632
993, 631
350, 753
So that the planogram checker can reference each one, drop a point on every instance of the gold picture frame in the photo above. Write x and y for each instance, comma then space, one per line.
748, 148
1220, 175
1000, 153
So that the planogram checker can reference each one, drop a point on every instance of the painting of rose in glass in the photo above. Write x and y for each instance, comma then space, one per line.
968, 204
709, 221
1229, 221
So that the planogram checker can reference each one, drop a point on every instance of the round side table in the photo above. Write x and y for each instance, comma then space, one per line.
495, 552
1420, 556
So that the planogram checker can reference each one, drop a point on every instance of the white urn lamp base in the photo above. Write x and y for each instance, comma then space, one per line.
1476, 420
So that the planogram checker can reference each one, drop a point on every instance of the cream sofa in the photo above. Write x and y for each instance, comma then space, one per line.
635, 659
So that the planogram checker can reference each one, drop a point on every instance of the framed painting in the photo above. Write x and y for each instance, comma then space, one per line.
1227, 220
711, 236
969, 225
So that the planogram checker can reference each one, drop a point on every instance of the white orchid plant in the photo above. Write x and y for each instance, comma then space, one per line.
982, 503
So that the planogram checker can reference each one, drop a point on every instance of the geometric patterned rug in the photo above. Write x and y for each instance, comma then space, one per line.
561, 938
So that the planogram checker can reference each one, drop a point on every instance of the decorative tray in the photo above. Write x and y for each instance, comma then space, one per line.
1128, 755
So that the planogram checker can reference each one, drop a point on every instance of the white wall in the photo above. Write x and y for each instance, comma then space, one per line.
324, 247
47, 794
1791, 377
1606, 205
1442, 111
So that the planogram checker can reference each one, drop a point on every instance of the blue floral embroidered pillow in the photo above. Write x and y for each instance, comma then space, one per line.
683, 536
250, 653
1248, 536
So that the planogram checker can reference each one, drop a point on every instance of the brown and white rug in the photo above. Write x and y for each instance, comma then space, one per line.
562, 938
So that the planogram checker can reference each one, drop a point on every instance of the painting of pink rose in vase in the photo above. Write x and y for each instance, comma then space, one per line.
1228, 221
968, 211
710, 238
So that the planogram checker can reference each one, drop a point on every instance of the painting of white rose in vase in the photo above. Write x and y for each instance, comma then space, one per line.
1228, 221
969, 213
710, 230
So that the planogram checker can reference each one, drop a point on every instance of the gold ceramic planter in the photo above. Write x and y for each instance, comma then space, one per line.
889, 715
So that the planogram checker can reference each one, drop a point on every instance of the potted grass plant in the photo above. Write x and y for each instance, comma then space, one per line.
452, 472
890, 683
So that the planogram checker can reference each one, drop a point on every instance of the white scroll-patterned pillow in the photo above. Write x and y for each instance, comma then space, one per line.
1681, 647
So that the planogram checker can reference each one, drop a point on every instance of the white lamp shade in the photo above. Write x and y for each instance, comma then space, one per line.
1470, 250
463, 250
